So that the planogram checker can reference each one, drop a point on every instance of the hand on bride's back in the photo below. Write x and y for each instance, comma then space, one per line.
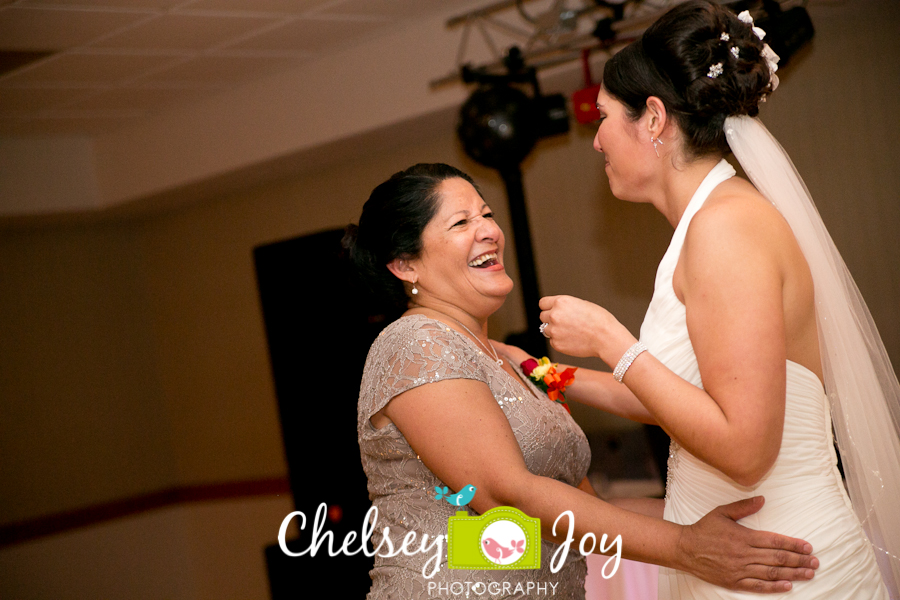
719, 550
580, 328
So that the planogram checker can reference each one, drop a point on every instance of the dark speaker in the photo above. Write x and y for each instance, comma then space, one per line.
319, 325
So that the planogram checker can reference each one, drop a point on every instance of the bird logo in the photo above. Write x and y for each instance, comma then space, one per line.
463, 497
498, 552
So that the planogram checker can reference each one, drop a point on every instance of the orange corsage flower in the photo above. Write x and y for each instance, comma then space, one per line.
545, 376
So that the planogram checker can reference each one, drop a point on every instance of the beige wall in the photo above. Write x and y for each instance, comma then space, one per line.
132, 351
82, 414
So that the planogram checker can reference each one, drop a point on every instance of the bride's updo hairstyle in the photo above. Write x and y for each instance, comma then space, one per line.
391, 225
672, 61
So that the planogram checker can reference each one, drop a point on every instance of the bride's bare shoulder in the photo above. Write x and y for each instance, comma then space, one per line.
736, 209
739, 236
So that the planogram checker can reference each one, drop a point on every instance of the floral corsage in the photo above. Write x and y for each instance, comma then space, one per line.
544, 375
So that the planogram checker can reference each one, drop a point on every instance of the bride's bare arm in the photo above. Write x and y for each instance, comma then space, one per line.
731, 279
732, 285
593, 388
600, 390
464, 438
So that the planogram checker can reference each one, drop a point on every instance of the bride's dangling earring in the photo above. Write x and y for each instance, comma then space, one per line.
414, 289
655, 141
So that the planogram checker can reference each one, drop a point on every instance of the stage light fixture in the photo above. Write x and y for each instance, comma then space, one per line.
498, 125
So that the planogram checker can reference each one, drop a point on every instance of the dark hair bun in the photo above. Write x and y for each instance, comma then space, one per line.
744, 79
673, 61
391, 226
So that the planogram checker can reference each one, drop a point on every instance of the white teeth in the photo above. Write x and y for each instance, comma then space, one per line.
483, 258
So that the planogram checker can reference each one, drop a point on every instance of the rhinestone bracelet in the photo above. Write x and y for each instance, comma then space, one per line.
626, 360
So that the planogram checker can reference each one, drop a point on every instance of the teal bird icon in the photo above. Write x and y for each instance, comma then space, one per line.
462, 498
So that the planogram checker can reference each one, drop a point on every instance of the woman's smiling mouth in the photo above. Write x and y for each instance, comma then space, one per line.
488, 259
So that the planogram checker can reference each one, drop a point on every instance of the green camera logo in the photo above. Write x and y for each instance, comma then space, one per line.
501, 538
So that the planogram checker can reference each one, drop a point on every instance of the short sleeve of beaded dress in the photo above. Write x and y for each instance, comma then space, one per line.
415, 351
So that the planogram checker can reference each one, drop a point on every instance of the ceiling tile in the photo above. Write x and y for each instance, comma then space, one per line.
86, 68
185, 32
62, 125
278, 6
143, 98
216, 69
118, 60
132, 4
34, 99
51, 29
396, 9
310, 35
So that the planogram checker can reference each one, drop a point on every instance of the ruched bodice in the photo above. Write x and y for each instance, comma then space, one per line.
805, 497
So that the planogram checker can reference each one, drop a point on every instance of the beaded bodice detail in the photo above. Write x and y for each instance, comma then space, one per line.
417, 350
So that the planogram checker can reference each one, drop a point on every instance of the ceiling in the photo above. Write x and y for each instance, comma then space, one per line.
87, 66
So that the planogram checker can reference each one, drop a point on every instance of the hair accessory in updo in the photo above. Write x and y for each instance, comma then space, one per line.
767, 53
734, 49
745, 17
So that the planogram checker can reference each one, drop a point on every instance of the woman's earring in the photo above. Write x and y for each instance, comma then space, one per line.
655, 142
414, 290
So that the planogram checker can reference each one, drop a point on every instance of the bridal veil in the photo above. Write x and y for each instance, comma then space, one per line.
860, 383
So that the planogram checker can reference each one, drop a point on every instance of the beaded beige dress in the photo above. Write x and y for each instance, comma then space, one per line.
417, 350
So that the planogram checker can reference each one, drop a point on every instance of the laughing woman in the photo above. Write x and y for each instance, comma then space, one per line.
438, 407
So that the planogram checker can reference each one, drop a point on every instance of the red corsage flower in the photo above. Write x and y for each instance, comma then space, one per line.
528, 366
545, 376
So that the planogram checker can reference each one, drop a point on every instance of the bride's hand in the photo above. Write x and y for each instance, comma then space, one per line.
580, 328
722, 552
515, 354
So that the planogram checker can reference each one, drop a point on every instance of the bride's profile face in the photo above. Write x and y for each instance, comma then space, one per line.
462, 252
625, 152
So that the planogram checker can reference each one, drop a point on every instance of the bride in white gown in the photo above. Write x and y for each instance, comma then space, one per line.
753, 318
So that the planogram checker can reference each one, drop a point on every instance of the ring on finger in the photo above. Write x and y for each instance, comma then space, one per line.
543, 331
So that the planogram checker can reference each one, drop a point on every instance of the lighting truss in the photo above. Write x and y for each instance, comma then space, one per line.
553, 32
558, 34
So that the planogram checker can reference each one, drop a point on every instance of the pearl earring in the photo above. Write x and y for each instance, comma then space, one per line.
414, 290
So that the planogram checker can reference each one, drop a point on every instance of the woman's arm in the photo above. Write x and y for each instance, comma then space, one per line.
464, 438
592, 388
652, 507
731, 282
600, 390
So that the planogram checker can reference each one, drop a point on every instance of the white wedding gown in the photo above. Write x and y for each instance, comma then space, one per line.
805, 497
